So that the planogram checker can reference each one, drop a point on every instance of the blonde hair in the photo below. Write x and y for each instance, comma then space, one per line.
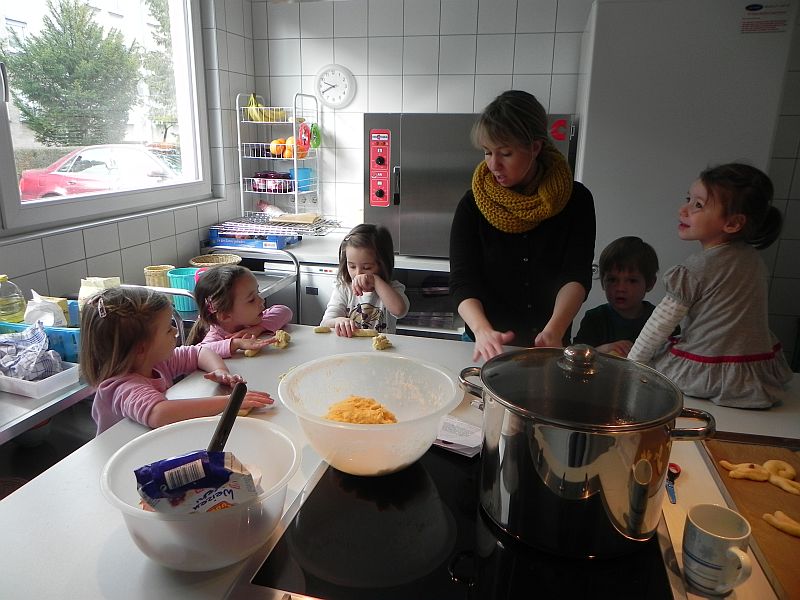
113, 322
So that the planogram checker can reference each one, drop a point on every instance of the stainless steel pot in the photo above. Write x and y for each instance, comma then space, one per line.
576, 446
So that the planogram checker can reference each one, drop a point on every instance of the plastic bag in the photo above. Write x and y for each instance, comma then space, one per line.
41, 309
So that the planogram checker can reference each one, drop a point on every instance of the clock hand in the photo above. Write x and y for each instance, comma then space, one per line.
330, 86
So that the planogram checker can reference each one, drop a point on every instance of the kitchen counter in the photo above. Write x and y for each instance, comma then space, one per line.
64, 540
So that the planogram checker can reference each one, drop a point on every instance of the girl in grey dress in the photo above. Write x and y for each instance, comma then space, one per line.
726, 352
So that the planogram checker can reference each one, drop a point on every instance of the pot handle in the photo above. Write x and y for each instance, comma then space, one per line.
695, 433
471, 388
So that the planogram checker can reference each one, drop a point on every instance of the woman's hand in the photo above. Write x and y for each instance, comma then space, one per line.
344, 327
363, 283
250, 342
548, 338
489, 343
224, 377
254, 399
618, 348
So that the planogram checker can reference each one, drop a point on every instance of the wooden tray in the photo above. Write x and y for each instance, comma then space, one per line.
777, 552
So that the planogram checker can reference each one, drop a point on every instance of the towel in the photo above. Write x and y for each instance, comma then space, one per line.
25, 355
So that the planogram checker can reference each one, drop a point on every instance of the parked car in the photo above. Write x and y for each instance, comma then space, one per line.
94, 169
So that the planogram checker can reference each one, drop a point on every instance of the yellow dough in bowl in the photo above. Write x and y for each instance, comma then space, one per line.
358, 409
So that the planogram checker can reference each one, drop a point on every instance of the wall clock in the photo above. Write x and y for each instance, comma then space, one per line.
335, 86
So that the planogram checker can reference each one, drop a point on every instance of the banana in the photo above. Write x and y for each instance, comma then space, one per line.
253, 109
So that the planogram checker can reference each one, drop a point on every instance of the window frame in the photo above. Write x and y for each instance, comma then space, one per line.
17, 217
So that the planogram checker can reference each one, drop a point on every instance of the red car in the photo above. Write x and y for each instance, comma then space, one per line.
94, 169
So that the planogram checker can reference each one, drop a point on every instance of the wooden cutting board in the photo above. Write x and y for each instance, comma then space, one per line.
300, 218
777, 552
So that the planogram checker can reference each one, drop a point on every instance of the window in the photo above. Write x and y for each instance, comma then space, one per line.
114, 129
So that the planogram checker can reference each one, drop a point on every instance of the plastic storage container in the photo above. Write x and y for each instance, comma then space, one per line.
64, 340
43, 387
183, 278
303, 178
12, 302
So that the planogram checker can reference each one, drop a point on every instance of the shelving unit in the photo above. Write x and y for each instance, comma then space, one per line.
259, 125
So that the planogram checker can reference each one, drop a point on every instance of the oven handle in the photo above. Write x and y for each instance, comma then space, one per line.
396, 195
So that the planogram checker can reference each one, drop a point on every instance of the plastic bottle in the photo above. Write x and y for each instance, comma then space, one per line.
12, 302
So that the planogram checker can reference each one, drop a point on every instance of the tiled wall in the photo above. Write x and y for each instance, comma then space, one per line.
407, 56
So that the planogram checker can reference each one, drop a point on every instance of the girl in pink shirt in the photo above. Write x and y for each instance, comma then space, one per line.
128, 354
229, 308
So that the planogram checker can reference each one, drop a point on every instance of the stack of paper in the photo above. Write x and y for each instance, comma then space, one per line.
459, 436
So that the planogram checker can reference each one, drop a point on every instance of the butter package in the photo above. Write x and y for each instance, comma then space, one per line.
196, 482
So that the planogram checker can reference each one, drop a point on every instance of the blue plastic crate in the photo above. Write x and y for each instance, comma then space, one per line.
64, 340
269, 242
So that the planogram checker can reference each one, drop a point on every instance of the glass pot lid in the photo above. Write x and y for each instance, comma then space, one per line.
581, 388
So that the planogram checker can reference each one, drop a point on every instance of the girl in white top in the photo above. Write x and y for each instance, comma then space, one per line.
365, 296
725, 352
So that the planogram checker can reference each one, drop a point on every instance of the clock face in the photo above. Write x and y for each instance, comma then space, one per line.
335, 86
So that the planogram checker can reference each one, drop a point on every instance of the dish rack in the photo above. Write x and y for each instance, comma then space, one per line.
257, 230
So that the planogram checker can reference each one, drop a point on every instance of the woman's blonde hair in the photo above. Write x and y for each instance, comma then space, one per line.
113, 322
514, 118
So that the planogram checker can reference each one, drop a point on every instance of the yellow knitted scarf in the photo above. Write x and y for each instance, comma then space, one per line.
515, 212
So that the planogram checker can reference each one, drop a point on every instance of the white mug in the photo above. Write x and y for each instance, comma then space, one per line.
715, 548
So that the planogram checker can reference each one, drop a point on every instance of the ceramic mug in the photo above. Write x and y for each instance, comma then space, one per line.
715, 548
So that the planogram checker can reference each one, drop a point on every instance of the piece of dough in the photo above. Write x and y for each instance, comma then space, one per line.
251, 353
785, 484
282, 338
243, 412
322, 329
364, 333
783, 522
381, 342
358, 409
780, 468
750, 471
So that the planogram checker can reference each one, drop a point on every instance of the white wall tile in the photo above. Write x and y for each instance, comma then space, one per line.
34, 281
419, 93
538, 85
533, 53
487, 88
164, 251
327, 165
133, 232
385, 18
457, 54
791, 224
63, 248
495, 54
234, 16
186, 219
65, 279
385, 93
225, 100
361, 99
283, 20
284, 57
567, 52
536, 16
283, 89
105, 265
316, 20
780, 171
22, 258
783, 295
259, 16
100, 240
328, 198
350, 18
349, 165
572, 14
385, 56
787, 137
222, 49
134, 260
455, 93
459, 16
562, 94
352, 53
261, 58
188, 244
497, 16
207, 214
315, 53
420, 17
352, 127
350, 203
421, 55
236, 59
161, 225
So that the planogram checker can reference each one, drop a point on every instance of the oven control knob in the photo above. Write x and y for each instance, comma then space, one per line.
379, 193
380, 160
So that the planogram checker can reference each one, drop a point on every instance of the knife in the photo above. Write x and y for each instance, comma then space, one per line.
672, 474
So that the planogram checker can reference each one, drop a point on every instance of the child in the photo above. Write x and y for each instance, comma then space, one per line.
628, 268
726, 352
365, 296
128, 353
229, 308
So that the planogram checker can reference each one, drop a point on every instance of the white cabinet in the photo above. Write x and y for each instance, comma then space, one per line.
285, 175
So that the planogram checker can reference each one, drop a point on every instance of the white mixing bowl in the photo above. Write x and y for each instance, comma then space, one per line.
202, 542
418, 393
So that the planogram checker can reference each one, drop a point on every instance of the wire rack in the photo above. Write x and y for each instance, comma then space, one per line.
258, 224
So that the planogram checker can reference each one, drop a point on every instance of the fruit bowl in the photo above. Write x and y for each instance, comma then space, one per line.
207, 541
417, 392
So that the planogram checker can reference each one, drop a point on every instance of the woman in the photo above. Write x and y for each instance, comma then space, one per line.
522, 239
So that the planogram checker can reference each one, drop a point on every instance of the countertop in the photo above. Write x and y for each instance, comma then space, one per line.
63, 540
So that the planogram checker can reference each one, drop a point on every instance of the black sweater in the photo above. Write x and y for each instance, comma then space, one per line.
517, 276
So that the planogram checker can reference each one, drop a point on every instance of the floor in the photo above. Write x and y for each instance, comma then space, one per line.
35, 451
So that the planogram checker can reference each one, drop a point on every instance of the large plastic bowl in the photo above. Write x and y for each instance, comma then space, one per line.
418, 393
202, 542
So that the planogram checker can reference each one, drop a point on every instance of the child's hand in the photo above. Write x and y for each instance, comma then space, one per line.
224, 377
254, 331
344, 327
618, 348
250, 343
254, 399
363, 283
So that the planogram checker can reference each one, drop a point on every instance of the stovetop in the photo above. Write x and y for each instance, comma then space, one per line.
421, 533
